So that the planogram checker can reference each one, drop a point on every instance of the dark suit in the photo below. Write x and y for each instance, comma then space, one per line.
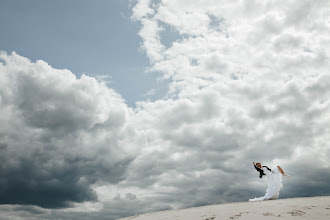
261, 172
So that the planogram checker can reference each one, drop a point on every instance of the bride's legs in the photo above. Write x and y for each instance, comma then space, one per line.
280, 169
275, 196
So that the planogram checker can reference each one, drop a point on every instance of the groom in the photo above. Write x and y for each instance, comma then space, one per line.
259, 168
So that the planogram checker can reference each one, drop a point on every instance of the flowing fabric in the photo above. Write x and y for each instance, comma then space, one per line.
274, 179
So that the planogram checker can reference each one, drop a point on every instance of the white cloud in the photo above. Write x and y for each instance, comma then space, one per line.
239, 92
59, 134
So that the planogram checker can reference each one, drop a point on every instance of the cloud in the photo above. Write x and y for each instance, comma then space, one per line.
244, 88
248, 82
59, 134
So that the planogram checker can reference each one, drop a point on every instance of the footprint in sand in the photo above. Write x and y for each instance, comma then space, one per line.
236, 216
209, 218
268, 214
297, 213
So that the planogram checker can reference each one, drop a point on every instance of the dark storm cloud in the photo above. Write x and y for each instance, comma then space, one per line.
308, 178
122, 207
51, 180
58, 135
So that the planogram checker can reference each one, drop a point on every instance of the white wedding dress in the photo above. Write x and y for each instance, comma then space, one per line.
274, 178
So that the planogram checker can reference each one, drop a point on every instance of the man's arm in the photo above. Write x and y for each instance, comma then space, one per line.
267, 168
257, 168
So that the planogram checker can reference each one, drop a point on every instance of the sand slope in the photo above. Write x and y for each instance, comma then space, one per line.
295, 208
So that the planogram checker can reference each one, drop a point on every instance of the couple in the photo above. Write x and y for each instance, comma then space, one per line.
274, 177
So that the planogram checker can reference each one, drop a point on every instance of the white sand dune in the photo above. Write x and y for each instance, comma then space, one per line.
294, 208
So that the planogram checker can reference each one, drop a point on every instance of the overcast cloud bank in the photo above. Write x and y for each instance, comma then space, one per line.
249, 82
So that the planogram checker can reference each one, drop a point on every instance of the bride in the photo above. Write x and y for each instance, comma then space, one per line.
274, 177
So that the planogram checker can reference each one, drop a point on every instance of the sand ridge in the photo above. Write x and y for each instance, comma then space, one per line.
292, 208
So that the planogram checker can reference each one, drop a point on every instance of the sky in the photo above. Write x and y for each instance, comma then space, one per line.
116, 108
84, 37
